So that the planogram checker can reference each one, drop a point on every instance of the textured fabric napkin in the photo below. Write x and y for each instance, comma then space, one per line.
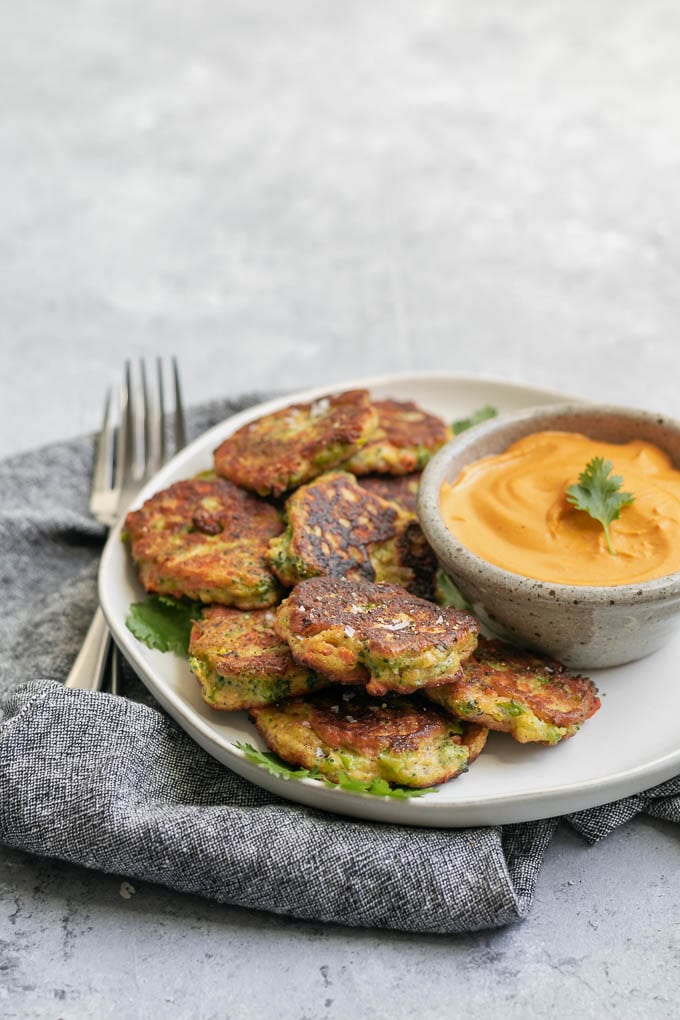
112, 783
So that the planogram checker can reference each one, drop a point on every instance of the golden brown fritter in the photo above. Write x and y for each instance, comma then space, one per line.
514, 691
342, 730
399, 489
377, 634
241, 662
337, 528
281, 450
206, 539
404, 441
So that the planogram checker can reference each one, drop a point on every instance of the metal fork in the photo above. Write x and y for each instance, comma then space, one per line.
128, 454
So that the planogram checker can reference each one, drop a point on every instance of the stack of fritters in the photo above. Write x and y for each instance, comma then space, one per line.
357, 670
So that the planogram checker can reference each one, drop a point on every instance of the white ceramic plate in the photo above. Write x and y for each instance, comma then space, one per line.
620, 751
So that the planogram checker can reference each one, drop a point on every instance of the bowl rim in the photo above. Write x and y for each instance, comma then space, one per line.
438, 534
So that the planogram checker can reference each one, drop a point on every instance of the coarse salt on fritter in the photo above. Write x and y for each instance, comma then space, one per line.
281, 450
377, 634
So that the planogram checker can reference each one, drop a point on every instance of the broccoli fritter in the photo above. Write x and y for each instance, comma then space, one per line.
336, 528
514, 691
241, 662
404, 441
401, 740
282, 450
376, 634
399, 489
206, 539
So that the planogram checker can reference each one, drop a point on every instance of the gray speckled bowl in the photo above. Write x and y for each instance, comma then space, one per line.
584, 627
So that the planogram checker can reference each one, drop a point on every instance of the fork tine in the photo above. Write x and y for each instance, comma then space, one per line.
142, 441
102, 473
180, 422
153, 428
125, 431
163, 450
137, 417
144, 429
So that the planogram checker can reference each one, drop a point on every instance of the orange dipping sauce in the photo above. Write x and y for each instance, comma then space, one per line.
511, 510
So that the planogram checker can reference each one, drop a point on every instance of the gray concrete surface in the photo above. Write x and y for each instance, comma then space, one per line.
603, 940
288, 194
294, 190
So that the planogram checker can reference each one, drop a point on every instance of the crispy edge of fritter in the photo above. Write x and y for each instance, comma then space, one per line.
187, 554
415, 554
520, 693
334, 427
407, 644
405, 439
240, 662
474, 737
286, 729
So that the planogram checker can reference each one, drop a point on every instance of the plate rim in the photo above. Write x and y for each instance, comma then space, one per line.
522, 806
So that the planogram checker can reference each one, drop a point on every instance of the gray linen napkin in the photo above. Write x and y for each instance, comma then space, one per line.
112, 783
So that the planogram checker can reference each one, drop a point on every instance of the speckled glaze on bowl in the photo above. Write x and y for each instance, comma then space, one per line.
586, 627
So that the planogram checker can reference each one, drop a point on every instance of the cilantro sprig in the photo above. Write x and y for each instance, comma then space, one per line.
476, 418
377, 787
597, 492
163, 622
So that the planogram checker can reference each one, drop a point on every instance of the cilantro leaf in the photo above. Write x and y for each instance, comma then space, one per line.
598, 494
377, 787
476, 418
163, 623
380, 787
273, 764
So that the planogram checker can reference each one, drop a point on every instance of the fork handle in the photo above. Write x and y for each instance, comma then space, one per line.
87, 672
